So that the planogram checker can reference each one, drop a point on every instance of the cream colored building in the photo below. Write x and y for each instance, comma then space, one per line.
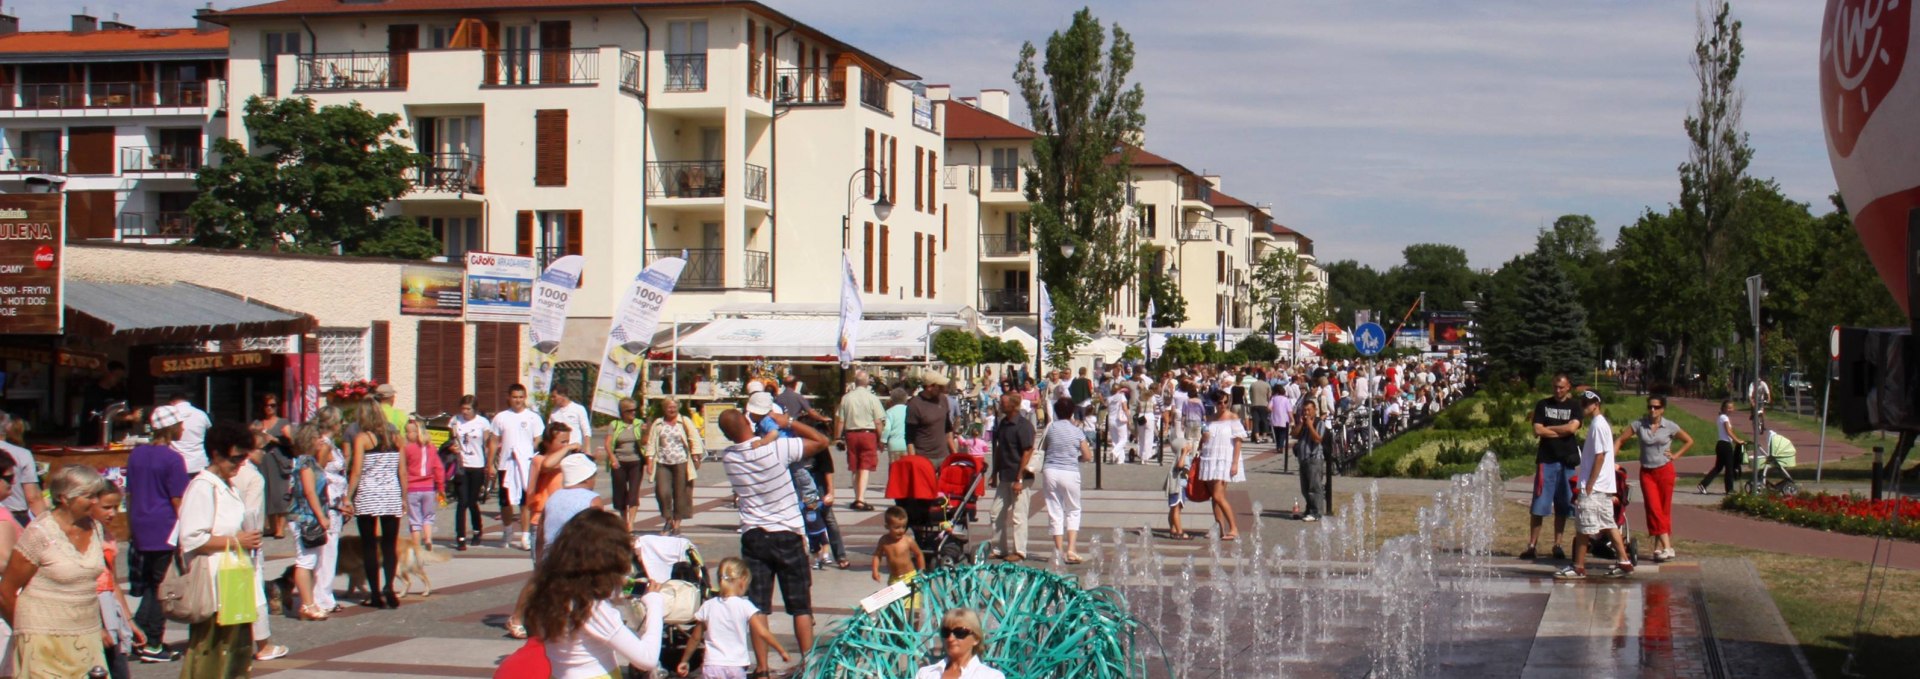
628, 132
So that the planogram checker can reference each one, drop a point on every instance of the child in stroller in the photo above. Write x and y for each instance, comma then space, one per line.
673, 563
1603, 549
940, 502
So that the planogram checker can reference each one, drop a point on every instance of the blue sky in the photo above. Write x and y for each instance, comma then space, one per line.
1373, 125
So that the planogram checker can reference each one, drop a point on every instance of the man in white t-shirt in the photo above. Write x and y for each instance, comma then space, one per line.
470, 431
192, 443
571, 413
1593, 510
516, 433
772, 531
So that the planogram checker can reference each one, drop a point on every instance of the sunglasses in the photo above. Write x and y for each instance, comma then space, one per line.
1654, 407
955, 632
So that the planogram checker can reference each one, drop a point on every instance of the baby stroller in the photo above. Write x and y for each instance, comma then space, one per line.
1603, 549
688, 585
1778, 456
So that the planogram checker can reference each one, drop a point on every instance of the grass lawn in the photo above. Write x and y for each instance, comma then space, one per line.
1866, 440
1817, 597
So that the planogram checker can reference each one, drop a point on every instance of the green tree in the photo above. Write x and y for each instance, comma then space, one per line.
1846, 291
1180, 352
1437, 269
1283, 275
1169, 306
315, 181
957, 347
1351, 287
1649, 263
1081, 104
1257, 348
997, 351
1712, 181
1534, 324
1574, 243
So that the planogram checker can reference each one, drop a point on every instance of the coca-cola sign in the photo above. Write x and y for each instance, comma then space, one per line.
30, 252
1871, 107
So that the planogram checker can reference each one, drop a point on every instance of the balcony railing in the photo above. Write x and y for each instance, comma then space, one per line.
542, 67
1005, 244
347, 71
756, 182
706, 267
1195, 188
136, 159
1006, 179
686, 179
1196, 232
873, 91
452, 172
632, 67
759, 270
155, 225
34, 162
687, 72
53, 96
809, 86
1004, 300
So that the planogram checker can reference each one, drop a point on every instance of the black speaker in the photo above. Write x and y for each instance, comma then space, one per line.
1879, 380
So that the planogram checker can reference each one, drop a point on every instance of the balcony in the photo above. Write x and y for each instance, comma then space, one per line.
632, 67
1195, 188
1006, 179
33, 162
700, 179
351, 71
112, 95
706, 267
687, 72
1004, 300
542, 68
759, 270
809, 86
447, 172
174, 225
145, 160
1005, 244
873, 92
1196, 232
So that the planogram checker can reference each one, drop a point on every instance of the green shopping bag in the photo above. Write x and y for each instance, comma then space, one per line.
233, 577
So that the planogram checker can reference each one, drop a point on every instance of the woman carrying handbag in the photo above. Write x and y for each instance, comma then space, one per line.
211, 518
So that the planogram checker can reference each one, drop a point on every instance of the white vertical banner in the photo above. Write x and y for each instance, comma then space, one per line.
851, 310
552, 294
1150, 311
1046, 320
631, 335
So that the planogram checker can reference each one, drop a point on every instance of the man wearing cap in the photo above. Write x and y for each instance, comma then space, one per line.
191, 442
772, 529
861, 420
156, 480
929, 420
383, 395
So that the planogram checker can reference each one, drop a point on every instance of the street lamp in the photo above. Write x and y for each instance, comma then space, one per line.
882, 207
1273, 302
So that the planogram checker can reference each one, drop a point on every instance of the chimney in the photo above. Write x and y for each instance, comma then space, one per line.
201, 23
83, 23
939, 92
1212, 179
9, 24
115, 24
970, 101
996, 102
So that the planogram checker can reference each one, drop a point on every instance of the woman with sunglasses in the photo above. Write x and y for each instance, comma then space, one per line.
961, 634
1657, 434
212, 520
275, 461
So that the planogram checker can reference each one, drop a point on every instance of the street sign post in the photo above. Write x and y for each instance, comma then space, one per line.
1369, 339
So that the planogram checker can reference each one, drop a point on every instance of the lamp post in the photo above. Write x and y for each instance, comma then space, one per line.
1273, 320
882, 207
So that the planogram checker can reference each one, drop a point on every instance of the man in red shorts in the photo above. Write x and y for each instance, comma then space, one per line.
860, 421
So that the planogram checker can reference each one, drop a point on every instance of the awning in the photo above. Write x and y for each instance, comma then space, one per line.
148, 314
1021, 337
804, 338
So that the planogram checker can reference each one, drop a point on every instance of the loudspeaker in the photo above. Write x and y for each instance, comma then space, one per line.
1879, 380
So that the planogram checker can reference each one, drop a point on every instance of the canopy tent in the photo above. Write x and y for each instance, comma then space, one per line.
1326, 328
1159, 343
803, 338
1022, 338
1108, 349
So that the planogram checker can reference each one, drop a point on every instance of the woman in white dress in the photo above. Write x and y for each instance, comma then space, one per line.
1220, 463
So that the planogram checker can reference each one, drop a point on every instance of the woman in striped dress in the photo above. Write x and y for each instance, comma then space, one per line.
375, 492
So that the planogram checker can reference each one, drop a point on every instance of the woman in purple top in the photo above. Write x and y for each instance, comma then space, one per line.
156, 478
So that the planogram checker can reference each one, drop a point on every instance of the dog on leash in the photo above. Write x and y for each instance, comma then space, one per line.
412, 567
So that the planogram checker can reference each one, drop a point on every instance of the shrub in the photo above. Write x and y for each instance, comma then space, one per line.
1419, 468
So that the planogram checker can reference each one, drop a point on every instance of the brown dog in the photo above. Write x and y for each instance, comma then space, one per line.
413, 565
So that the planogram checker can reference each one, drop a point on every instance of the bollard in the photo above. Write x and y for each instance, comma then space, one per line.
1878, 453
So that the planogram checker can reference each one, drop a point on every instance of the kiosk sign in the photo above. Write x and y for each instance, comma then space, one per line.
30, 258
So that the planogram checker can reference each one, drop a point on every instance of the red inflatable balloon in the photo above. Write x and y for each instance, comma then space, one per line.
1871, 104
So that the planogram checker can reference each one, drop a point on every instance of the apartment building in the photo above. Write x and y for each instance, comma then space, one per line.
728, 133
982, 186
116, 117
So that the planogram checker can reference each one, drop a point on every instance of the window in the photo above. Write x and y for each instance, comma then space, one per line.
1006, 169
552, 234
452, 147
39, 150
550, 147
457, 235
686, 56
276, 45
866, 275
919, 266
893, 167
438, 37
517, 55
1149, 221
343, 355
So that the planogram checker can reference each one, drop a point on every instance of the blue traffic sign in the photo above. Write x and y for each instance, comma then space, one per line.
1369, 338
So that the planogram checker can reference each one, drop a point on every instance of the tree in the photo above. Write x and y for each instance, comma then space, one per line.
1083, 108
1158, 291
1575, 246
1284, 275
1257, 348
1649, 262
1003, 351
315, 181
1712, 181
1846, 290
1351, 287
1534, 324
1180, 352
1436, 269
957, 347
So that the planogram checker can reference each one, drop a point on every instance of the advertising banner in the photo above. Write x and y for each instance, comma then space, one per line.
552, 294
30, 259
430, 290
851, 311
500, 287
622, 366
1449, 329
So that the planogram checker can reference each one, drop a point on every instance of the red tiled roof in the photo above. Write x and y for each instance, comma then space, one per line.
1145, 158
967, 122
1219, 199
110, 41
287, 8
1282, 230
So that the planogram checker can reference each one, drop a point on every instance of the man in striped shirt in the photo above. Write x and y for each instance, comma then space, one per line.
772, 531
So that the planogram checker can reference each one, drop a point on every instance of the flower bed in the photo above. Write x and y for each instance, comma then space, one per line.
1850, 514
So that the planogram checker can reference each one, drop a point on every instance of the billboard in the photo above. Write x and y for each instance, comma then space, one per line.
1449, 329
430, 290
30, 260
500, 287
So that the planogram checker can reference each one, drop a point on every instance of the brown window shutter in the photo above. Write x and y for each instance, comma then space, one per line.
945, 236
576, 233
869, 172
919, 168
866, 278
550, 147
885, 236
919, 287
933, 179
441, 365
90, 214
378, 344
496, 363
90, 150
1220, 266
931, 277
523, 232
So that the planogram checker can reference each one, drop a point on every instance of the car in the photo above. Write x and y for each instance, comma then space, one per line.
1798, 382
